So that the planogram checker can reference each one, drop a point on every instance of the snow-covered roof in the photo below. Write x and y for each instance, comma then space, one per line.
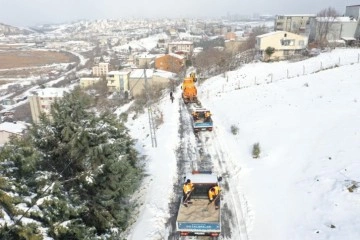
348, 38
176, 55
146, 55
12, 127
297, 15
336, 19
164, 74
51, 92
139, 73
123, 72
181, 43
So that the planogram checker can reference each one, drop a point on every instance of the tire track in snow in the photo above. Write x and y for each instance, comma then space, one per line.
232, 214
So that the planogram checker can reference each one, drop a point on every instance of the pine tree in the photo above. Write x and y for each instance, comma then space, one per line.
80, 164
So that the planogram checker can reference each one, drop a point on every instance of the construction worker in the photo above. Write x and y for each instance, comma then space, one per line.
195, 115
207, 116
171, 97
214, 195
188, 188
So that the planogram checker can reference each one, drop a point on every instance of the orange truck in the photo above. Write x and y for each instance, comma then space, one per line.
189, 91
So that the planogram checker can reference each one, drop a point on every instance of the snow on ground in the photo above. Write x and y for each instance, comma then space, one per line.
161, 168
308, 129
142, 44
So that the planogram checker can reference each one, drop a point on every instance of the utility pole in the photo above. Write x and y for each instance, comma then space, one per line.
150, 115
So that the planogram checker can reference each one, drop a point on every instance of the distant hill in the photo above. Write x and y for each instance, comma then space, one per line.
10, 30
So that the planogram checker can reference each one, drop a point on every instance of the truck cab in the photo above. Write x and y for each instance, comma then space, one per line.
200, 218
189, 91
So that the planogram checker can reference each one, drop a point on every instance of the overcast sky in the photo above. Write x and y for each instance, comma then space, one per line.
24, 13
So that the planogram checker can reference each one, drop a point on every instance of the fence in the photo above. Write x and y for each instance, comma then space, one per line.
238, 79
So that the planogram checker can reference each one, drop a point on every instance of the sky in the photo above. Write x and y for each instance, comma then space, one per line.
25, 13
306, 122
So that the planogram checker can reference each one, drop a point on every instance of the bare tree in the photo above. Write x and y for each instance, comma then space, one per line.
212, 61
325, 20
251, 41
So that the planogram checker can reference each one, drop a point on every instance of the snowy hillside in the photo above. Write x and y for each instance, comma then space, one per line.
305, 117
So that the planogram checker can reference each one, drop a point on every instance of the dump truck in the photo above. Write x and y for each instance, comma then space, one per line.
199, 219
202, 119
189, 91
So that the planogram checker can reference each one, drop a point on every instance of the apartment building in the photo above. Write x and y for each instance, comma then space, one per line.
88, 81
285, 44
138, 80
230, 36
42, 99
170, 62
182, 47
9, 129
298, 24
154, 78
101, 69
340, 30
353, 11
118, 81
144, 60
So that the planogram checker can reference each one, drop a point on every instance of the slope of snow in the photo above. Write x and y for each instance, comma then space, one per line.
307, 125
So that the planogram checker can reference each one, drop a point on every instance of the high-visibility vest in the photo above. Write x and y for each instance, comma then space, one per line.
212, 195
188, 187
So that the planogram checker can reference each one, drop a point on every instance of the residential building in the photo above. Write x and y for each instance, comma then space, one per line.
86, 82
118, 81
299, 23
154, 78
138, 80
353, 11
338, 30
9, 129
285, 44
101, 69
181, 47
42, 99
142, 60
230, 36
163, 78
170, 62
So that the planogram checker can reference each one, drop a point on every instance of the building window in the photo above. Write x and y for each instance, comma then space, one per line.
287, 42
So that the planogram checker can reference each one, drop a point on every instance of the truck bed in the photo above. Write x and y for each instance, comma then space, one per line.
198, 216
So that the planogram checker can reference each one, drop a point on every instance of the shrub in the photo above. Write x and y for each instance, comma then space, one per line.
256, 150
234, 129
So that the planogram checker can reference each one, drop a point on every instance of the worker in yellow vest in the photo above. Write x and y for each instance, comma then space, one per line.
214, 196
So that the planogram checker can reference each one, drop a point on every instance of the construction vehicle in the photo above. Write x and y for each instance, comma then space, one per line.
200, 218
202, 119
189, 91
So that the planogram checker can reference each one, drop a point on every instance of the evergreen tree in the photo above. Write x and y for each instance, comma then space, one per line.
80, 164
